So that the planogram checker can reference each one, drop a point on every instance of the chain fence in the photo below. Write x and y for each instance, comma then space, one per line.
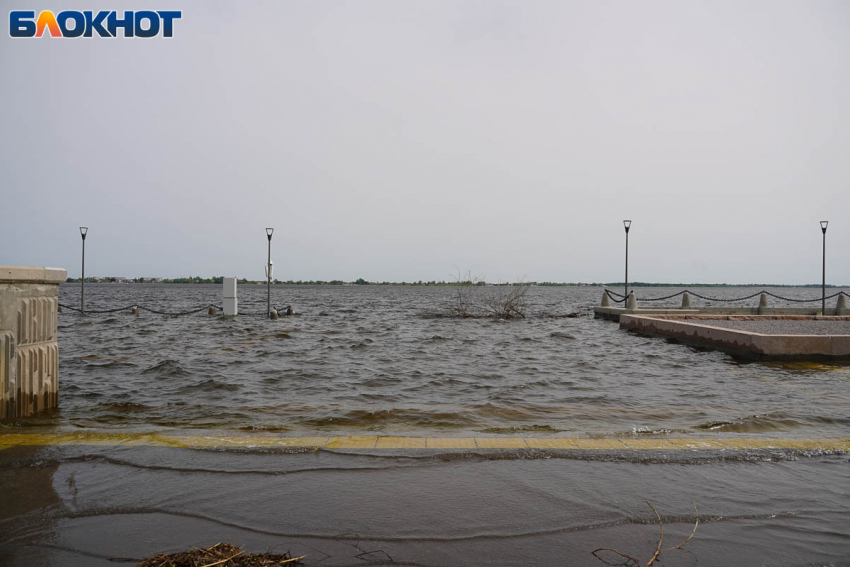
725, 299
126, 308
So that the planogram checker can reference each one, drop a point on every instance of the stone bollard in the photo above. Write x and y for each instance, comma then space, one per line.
606, 301
273, 314
29, 350
289, 311
686, 300
135, 310
762, 302
841, 305
631, 302
211, 310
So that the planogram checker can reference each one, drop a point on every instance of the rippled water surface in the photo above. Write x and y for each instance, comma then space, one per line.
370, 358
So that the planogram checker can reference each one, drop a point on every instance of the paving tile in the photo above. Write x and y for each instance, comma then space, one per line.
401, 443
600, 444
352, 442
649, 443
500, 443
697, 444
557, 443
450, 443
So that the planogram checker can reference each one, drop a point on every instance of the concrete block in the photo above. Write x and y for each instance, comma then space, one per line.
231, 307
500, 443
649, 444
401, 443
352, 442
556, 443
29, 352
601, 444
229, 287
450, 443
26, 274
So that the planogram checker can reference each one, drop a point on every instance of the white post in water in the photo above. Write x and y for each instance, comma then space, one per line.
230, 304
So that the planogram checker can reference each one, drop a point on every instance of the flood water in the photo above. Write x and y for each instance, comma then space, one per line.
370, 358
360, 359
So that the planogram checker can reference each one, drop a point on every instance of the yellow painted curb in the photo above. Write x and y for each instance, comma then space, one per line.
450, 443
8, 440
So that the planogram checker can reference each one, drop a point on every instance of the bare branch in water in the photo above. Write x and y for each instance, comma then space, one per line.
660, 539
696, 523
631, 561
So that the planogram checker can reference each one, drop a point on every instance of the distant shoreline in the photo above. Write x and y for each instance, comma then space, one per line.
163, 281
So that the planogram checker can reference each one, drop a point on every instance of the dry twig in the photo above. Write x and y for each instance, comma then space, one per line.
696, 523
631, 561
221, 555
660, 539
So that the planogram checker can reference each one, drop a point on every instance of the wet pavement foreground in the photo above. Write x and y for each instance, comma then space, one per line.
110, 505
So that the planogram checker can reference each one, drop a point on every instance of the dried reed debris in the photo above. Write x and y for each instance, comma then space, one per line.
220, 555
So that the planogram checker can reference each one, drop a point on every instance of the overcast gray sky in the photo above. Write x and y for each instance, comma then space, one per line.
403, 140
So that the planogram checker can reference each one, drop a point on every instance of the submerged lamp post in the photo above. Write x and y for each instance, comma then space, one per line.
823, 225
269, 232
83, 231
627, 224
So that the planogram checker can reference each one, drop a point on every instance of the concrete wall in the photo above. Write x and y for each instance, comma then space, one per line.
29, 352
697, 330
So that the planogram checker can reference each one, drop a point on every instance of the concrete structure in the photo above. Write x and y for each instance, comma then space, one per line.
607, 311
29, 353
698, 330
230, 303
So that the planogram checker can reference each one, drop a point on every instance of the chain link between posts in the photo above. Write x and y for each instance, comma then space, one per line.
160, 312
140, 307
730, 300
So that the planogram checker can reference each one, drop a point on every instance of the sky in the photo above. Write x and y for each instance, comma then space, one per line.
405, 141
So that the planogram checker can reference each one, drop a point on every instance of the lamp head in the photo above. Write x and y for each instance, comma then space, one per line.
627, 224
269, 232
83, 231
823, 225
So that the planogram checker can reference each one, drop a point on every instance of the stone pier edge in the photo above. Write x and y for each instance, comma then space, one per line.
433, 443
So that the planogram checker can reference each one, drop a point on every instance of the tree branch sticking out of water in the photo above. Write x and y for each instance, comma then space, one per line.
472, 298
631, 561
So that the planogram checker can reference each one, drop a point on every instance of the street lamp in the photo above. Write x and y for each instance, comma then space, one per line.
83, 231
269, 232
627, 224
823, 225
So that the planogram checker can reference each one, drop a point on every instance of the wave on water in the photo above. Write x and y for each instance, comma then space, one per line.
391, 417
210, 385
166, 368
758, 423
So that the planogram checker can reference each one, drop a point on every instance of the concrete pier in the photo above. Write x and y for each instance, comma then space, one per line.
763, 337
29, 353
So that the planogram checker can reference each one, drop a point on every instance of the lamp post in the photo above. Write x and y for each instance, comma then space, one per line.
823, 225
83, 231
627, 224
269, 232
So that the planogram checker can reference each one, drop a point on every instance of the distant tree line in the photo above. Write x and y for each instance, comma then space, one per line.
361, 281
